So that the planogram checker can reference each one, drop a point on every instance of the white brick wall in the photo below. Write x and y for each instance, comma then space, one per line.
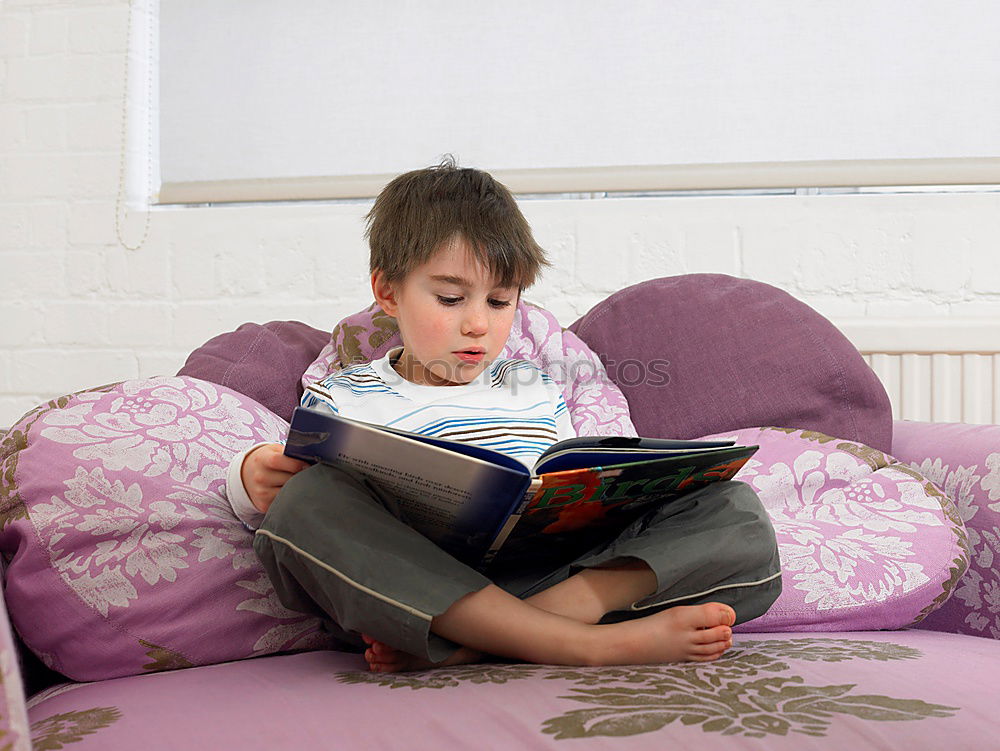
77, 310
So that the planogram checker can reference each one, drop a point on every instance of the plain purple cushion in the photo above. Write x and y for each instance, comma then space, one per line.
706, 353
262, 361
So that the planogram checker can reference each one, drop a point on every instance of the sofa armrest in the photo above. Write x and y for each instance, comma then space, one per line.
14, 728
964, 461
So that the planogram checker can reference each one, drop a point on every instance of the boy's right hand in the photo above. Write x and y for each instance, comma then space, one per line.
265, 471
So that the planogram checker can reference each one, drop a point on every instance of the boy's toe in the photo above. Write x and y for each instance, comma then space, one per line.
720, 615
726, 614
711, 635
713, 648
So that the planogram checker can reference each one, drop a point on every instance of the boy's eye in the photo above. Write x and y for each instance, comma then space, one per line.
448, 300
499, 303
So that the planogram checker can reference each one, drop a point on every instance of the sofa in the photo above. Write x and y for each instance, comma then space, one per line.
136, 616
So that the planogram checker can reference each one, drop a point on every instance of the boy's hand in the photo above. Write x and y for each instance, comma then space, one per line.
265, 471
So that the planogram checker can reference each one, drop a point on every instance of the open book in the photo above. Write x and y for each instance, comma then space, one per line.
488, 509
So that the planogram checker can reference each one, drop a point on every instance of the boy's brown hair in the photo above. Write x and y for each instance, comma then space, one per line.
419, 211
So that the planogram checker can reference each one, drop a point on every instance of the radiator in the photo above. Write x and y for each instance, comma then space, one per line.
938, 371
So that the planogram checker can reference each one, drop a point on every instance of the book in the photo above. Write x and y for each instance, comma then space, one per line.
489, 510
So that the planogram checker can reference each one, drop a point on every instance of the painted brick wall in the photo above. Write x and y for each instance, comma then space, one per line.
77, 310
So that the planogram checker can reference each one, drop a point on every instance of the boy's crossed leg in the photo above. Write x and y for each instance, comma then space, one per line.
559, 625
320, 555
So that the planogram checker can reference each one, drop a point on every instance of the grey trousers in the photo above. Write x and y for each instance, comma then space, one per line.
331, 548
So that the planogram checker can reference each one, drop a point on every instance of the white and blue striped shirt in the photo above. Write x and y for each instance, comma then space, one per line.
512, 407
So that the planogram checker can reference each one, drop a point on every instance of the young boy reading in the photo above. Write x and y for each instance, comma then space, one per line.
450, 254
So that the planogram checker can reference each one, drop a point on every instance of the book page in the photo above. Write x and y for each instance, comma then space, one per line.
424, 503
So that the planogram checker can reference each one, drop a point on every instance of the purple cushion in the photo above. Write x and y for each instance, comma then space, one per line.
264, 362
964, 460
704, 353
123, 553
866, 542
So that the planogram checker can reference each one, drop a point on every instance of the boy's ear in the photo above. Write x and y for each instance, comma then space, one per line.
385, 293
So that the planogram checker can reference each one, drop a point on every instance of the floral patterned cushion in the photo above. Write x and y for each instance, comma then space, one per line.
123, 555
866, 542
596, 404
965, 461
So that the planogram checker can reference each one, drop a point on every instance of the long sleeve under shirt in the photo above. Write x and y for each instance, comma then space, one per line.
512, 407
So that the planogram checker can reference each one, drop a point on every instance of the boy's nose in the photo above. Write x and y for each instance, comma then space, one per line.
476, 323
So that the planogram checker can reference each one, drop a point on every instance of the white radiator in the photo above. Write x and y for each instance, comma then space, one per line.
938, 371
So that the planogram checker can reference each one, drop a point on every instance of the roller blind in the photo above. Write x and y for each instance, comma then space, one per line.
314, 98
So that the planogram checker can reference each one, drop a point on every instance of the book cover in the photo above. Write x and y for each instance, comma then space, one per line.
573, 511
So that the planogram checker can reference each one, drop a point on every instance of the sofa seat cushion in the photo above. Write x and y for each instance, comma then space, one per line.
795, 692
123, 555
866, 542
702, 353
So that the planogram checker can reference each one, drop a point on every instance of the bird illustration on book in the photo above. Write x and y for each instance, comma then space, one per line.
576, 516
726, 471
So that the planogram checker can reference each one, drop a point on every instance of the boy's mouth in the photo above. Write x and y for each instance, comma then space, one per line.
472, 356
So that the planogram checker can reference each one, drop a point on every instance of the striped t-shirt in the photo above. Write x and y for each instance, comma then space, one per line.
512, 407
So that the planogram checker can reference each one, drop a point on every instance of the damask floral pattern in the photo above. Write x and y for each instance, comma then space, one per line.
863, 542
991, 483
753, 691
964, 462
61, 730
123, 490
182, 427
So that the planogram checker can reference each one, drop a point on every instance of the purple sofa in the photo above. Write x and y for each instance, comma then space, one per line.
137, 617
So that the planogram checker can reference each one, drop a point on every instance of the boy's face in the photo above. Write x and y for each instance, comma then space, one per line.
453, 317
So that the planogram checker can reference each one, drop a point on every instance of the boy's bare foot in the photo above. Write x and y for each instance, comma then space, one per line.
382, 658
696, 633
692, 633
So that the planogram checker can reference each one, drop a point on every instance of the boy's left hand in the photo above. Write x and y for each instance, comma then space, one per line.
265, 471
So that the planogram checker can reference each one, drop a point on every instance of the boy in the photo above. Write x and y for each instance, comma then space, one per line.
450, 254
